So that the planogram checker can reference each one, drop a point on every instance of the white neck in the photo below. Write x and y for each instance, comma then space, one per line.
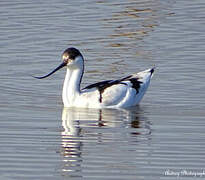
71, 86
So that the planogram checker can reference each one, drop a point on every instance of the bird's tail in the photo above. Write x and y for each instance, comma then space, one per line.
152, 70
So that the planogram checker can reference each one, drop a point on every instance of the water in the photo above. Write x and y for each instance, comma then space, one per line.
163, 138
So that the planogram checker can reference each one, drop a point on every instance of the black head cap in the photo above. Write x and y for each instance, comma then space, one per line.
71, 53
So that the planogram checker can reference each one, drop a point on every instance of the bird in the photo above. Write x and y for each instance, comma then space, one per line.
120, 93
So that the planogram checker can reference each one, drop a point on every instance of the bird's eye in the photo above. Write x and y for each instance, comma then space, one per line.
65, 57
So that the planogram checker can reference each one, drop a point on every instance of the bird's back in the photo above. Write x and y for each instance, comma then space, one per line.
121, 93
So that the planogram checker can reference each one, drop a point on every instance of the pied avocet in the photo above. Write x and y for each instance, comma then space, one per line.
120, 93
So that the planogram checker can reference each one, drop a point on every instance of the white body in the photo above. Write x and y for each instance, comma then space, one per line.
119, 95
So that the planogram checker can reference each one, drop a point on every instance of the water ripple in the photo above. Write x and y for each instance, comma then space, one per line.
39, 141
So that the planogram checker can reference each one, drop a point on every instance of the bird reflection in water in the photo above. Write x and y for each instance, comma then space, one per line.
83, 127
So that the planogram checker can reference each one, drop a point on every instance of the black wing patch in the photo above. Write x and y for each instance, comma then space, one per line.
97, 85
101, 86
135, 84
